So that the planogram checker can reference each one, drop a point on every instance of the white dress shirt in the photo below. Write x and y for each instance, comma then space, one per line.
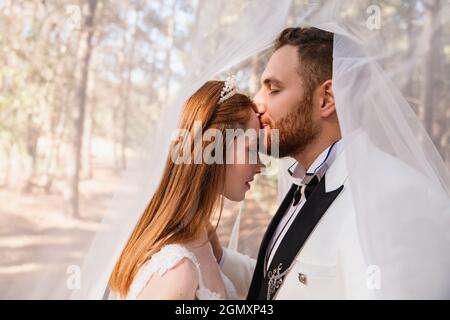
301, 178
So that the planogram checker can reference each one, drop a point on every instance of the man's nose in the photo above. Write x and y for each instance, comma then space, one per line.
260, 103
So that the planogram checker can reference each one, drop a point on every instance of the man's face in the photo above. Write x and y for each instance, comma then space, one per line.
285, 105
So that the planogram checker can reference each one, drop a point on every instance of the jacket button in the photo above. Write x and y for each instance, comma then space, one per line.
302, 278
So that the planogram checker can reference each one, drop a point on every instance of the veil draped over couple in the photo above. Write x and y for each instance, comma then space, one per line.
365, 210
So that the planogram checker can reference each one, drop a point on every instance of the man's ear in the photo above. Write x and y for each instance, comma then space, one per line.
328, 106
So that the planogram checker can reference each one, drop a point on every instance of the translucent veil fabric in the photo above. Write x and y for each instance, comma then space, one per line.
402, 205
399, 183
400, 186
215, 48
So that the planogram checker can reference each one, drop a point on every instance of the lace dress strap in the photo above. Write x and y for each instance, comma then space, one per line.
161, 262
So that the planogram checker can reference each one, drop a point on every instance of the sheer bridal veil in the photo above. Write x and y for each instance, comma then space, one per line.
379, 69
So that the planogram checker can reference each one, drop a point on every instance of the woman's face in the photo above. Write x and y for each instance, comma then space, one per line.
246, 162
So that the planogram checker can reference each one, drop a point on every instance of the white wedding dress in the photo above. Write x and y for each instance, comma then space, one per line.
166, 259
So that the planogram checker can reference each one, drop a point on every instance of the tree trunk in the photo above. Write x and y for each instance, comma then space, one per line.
170, 37
428, 96
31, 150
90, 133
7, 165
126, 97
79, 117
409, 91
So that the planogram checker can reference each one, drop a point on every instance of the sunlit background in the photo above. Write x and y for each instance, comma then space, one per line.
82, 82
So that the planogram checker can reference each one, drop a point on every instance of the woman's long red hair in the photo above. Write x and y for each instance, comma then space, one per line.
188, 194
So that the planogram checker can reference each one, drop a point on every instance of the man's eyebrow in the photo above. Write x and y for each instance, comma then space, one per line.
271, 80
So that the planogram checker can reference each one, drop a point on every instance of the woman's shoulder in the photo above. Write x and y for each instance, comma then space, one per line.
180, 282
169, 256
173, 270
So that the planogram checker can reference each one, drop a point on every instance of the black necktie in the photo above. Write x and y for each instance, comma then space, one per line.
308, 190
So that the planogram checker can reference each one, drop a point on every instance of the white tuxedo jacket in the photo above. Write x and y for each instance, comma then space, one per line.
330, 264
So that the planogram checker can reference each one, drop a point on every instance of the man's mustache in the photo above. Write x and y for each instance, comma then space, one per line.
264, 121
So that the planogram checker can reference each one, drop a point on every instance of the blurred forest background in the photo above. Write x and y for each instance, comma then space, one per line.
83, 81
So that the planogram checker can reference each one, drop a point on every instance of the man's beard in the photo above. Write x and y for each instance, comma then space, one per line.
296, 129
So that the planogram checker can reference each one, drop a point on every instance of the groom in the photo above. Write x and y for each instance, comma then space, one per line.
311, 248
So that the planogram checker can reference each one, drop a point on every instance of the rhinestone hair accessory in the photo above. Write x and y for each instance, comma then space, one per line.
229, 89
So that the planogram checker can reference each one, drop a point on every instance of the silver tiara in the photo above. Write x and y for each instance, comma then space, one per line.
229, 89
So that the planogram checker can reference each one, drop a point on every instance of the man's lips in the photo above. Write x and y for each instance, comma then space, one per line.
265, 122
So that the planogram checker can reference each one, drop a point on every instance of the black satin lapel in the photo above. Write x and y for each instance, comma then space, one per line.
276, 219
303, 225
258, 274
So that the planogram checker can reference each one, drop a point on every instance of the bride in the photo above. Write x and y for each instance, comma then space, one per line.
169, 255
